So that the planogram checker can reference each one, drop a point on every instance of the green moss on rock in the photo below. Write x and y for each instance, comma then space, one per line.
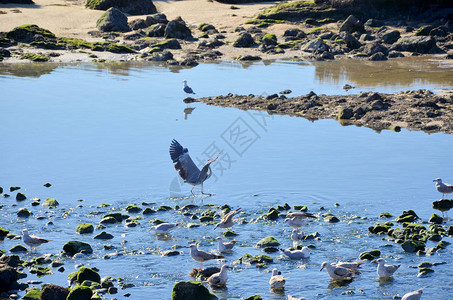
35, 57
18, 248
370, 255
33, 294
50, 202
85, 273
73, 247
267, 242
80, 293
84, 228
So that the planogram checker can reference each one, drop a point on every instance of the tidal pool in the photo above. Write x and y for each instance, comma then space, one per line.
101, 133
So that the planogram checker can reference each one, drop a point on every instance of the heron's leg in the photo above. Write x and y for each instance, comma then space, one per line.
192, 190
205, 193
201, 266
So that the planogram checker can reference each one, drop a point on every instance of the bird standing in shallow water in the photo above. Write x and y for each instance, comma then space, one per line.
277, 281
297, 254
443, 188
219, 279
225, 247
202, 256
337, 273
188, 171
164, 228
33, 241
384, 270
187, 89
415, 295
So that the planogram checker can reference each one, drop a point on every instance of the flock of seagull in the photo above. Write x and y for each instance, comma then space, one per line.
192, 175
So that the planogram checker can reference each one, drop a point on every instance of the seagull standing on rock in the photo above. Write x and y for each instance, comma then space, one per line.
443, 188
187, 89
33, 241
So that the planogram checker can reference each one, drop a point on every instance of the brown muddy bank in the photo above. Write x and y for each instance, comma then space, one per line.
413, 110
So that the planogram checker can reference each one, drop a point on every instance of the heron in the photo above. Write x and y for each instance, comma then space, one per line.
188, 171
187, 89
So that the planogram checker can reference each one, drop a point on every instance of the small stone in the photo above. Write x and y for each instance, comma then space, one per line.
18, 248
47, 185
103, 236
436, 219
50, 202
23, 213
84, 228
20, 197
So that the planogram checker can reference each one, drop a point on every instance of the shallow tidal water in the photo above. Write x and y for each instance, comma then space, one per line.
100, 133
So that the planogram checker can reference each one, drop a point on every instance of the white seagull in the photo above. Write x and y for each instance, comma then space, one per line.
415, 295
187, 89
296, 236
337, 273
202, 256
219, 279
164, 228
227, 220
297, 254
33, 241
277, 281
443, 188
384, 270
225, 247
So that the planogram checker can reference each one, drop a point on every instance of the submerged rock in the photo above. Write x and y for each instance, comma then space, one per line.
191, 290
103, 236
412, 246
73, 247
50, 202
53, 292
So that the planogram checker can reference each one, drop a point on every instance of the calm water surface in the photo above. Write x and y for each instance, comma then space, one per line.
101, 134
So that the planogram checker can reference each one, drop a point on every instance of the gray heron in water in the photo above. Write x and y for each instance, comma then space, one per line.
188, 171
187, 88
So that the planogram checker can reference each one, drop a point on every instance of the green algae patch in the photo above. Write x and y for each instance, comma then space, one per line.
84, 228
370, 255
50, 202
35, 57
269, 241
184, 290
80, 292
85, 273
33, 294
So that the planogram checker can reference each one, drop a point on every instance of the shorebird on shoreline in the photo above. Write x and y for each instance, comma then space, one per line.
33, 241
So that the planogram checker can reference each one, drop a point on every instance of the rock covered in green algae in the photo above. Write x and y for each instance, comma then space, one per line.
80, 293
84, 228
20, 197
385, 215
443, 204
269, 241
436, 219
33, 294
50, 202
23, 213
272, 214
412, 246
3, 233
148, 211
73, 247
191, 290
424, 272
407, 216
117, 216
133, 209
379, 228
229, 233
254, 297
85, 273
370, 255
113, 20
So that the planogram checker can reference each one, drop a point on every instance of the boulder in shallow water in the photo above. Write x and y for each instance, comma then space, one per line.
73, 247
191, 290
53, 292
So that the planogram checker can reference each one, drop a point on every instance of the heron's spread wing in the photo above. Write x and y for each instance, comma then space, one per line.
206, 171
188, 171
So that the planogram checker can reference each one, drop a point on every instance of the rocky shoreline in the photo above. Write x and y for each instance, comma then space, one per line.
295, 30
414, 110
